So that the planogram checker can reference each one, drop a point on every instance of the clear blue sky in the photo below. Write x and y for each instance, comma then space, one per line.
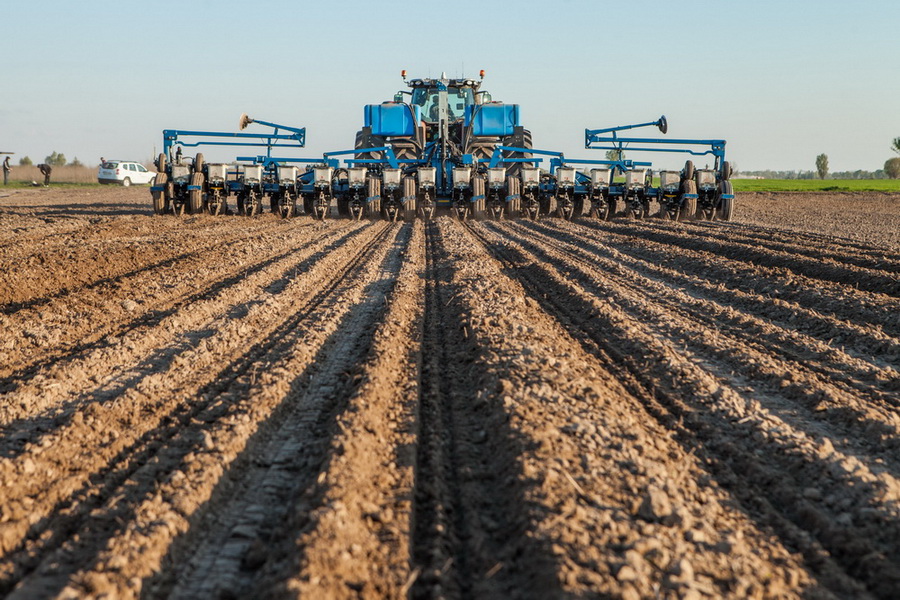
780, 81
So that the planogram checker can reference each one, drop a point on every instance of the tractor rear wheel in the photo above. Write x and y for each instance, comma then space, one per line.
198, 163
196, 196
161, 163
478, 199
409, 199
516, 168
358, 145
160, 203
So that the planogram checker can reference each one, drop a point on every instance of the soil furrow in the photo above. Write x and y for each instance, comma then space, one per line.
106, 264
732, 425
112, 455
881, 315
469, 511
362, 493
596, 465
152, 341
873, 349
831, 381
867, 280
78, 322
858, 255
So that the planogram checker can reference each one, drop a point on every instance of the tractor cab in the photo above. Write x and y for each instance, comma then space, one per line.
460, 93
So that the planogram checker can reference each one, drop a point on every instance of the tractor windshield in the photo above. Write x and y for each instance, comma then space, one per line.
457, 99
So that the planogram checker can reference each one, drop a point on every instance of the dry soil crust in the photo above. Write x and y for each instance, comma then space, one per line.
230, 407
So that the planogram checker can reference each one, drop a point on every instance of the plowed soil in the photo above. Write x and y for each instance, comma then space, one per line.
230, 407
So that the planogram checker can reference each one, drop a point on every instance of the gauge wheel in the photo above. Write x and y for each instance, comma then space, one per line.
688, 170
409, 199
688, 205
725, 211
159, 197
373, 201
514, 200
196, 196
478, 199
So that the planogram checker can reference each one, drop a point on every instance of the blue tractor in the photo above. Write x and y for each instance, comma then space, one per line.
430, 148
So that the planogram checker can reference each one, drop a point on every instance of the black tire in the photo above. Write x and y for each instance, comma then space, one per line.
343, 208
688, 211
409, 199
514, 205
198, 163
195, 197
373, 206
126, 182
725, 211
405, 151
580, 204
548, 205
612, 206
689, 170
481, 148
478, 200
726, 171
161, 163
160, 205
516, 168
358, 145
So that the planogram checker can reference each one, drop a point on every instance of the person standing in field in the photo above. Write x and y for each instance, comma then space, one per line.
6, 169
45, 171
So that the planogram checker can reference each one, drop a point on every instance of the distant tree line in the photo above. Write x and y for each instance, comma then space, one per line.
55, 159
858, 174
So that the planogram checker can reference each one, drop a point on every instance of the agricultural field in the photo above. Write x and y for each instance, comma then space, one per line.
230, 407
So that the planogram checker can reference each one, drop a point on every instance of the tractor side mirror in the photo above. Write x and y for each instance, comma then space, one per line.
663, 124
